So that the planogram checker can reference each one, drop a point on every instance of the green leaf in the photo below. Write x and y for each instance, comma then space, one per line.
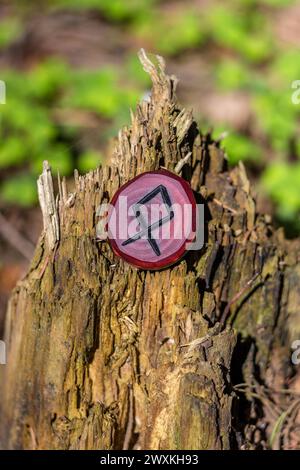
232, 75
58, 156
184, 32
115, 10
277, 426
243, 32
286, 67
89, 160
239, 147
297, 145
276, 117
135, 72
10, 29
120, 10
100, 92
281, 181
13, 152
256, 47
20, 190
48, 78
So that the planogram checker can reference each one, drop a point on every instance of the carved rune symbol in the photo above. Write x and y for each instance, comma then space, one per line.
147, 229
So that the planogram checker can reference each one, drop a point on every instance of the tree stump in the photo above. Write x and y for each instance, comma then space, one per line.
103, 356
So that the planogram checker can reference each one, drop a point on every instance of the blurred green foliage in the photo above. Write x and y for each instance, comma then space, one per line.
99, 91
30, 133
183, 27
238, 146
235, 36
20, 189
116, 10
10, 28
281, 180
245, 34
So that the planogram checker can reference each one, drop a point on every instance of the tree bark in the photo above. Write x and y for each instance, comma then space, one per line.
103, 356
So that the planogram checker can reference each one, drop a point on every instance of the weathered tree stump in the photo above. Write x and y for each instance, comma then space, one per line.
104, 356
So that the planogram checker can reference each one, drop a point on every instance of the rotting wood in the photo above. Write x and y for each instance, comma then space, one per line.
102, 356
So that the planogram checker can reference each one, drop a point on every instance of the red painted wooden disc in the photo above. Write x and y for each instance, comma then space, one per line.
151, 219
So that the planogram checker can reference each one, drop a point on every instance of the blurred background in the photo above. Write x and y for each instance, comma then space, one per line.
71, 73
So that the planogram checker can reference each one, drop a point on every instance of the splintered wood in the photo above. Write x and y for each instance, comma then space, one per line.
104, 356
